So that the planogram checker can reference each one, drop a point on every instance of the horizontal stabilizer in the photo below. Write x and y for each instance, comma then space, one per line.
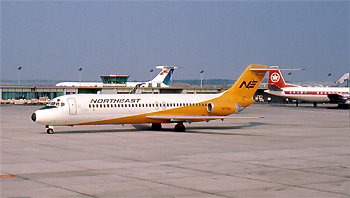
166, 67
273, 69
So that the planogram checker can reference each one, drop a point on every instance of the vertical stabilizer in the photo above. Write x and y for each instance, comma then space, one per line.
245, 87
276, 79
164, 76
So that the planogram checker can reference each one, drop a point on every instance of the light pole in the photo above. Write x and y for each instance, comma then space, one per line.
201, 72
19, 74
79, 69
151, 70
289, 73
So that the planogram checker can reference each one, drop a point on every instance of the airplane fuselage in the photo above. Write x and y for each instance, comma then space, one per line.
94, 109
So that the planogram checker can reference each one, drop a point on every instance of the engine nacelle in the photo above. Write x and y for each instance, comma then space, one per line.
223, 108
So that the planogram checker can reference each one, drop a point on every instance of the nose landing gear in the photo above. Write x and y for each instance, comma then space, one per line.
49, 129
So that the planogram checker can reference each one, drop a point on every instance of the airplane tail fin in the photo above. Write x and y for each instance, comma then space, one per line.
276, 80
242, 92
245, 87
164, 76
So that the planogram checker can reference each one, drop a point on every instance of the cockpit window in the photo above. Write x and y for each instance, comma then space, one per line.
48, 107
54, 105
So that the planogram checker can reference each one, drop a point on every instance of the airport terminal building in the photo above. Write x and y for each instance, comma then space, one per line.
46, 92
113, 84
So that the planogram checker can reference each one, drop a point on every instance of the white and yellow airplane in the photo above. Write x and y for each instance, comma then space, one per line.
161, 80
278, 87
96, 109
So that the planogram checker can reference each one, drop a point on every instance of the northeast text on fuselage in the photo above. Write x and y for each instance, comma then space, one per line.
112, 101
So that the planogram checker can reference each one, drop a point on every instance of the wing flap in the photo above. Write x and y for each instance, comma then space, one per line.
189, 119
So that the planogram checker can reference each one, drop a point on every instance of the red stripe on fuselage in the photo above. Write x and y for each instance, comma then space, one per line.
312, 92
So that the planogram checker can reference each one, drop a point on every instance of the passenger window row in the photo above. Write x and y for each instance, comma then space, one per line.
147, 105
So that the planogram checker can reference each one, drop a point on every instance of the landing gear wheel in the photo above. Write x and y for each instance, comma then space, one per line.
180, 128
49, 131
156, 126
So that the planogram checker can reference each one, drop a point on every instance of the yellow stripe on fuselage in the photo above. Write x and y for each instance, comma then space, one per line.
142, 118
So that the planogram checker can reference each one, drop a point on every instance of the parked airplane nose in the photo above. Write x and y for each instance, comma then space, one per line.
33, 117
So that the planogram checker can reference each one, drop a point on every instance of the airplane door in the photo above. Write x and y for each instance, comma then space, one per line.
72, 106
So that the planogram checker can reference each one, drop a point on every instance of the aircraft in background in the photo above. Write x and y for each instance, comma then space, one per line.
161, 80
278, 87
96, 109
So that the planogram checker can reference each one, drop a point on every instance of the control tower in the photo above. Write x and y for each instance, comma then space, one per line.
114, 80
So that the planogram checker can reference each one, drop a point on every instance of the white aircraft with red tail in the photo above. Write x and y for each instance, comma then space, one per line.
278, 87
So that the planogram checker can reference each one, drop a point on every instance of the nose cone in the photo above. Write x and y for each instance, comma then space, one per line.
33, 117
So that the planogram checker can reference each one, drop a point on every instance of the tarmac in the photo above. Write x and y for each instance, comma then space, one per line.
293, 152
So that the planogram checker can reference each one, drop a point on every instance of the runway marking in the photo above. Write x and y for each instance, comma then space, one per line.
7, 176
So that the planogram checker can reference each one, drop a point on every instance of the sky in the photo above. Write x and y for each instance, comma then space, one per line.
51, 40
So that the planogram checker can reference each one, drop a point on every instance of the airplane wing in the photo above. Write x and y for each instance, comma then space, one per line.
338, 98
189, 119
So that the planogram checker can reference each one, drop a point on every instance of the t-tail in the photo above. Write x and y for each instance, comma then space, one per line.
165, 75
276, 80
243, 90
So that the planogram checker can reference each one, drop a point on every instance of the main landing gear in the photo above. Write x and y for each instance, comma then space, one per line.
179, 127
156, 126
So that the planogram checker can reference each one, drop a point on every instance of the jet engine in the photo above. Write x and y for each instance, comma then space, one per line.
220, 109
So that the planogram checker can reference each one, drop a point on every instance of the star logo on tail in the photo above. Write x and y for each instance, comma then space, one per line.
275, 77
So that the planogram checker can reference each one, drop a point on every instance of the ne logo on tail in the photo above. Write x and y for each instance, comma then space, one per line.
251, 84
